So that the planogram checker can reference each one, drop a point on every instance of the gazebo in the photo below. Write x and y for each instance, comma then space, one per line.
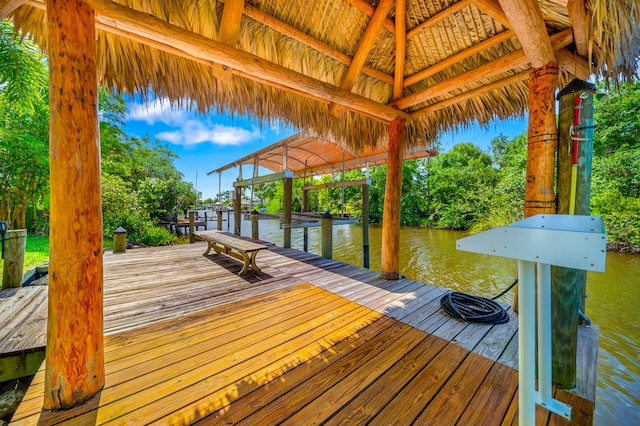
364, 72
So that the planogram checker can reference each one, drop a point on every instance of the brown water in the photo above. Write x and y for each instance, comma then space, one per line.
430, 256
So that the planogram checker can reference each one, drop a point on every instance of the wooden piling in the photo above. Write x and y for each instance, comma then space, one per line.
192, 221
237, 212
305, 230
365, 225
393, 193
254, 224
327, 235
74, 369
15, 242
287, 206
568, 286
219, 220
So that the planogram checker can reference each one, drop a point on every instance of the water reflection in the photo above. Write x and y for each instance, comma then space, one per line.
430, 256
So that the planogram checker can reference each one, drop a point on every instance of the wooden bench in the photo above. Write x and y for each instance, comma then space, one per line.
243, 250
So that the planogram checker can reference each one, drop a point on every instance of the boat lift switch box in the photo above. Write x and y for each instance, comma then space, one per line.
572, 241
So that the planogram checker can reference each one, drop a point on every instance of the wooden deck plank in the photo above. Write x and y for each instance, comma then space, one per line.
189, 341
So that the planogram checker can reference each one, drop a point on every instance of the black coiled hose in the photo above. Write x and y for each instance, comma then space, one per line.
475, 308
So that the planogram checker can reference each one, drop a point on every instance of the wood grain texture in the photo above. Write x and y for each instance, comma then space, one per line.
540, 194
14, 245
190, 342
74, 357
390, 262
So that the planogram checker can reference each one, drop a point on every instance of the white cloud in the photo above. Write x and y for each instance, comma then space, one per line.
188, 127
156, 111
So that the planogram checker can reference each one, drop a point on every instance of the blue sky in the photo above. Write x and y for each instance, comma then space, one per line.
206, 142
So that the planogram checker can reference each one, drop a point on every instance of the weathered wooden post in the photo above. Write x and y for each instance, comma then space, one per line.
327, 235
254, 224
120, 240
13, 249
365, 225
237, 212
568, 286
206, 219
192, 223
219, 220
286, 216
74, 369
393, 193
305, 208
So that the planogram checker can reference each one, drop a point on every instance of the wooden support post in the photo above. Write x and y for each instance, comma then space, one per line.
305, 230
15, 242
286, 217
327, 235
74, 369
254, 224
543, 141
568, 286
219, 220
393, 193
237, 212
192, 222
365, 225
206, 219
539, 196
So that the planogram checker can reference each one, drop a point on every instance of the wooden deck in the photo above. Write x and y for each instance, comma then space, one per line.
306, 341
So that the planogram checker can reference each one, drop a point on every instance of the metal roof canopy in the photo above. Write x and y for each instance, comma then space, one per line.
306, 154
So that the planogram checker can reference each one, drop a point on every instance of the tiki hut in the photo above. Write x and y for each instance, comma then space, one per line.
364, 72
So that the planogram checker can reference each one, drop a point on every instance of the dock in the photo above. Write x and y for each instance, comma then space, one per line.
306, 341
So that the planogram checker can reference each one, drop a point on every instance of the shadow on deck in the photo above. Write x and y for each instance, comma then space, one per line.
306, 341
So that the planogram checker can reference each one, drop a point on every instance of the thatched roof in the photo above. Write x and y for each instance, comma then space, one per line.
330, 65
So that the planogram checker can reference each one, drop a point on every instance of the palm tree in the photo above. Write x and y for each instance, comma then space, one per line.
23, 69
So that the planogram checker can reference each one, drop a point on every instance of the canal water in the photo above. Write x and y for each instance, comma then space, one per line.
430, 256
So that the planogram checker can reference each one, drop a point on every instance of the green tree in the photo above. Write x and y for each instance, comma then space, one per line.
617, 118
24, 119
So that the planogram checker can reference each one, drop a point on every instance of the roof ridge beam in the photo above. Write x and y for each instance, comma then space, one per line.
165, 36
512, 60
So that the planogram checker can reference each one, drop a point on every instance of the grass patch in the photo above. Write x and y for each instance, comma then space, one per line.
37, 251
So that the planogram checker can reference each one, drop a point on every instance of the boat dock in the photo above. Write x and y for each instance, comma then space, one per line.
307, 340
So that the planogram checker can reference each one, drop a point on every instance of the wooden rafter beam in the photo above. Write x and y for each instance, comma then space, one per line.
162, 35
529, 25
438, 17
442, 65
302, 37
574, 64
366, 8
499, 84
8, 6
580, 22
493, 9
510, 61
366, 43
401, 48
228, 32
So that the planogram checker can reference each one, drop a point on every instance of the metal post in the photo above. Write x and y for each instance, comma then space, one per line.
526, 344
